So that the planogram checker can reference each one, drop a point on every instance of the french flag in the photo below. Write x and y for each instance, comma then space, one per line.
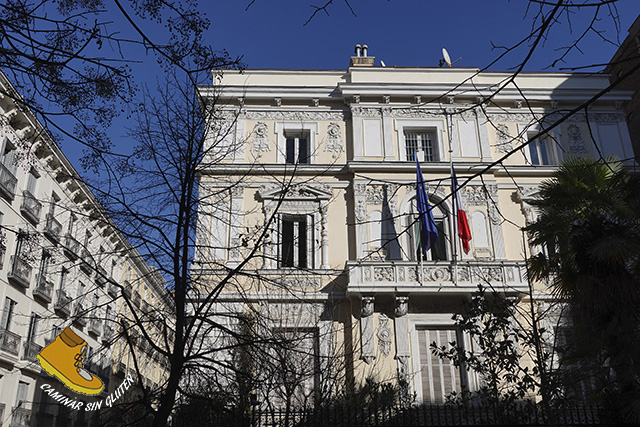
463, 224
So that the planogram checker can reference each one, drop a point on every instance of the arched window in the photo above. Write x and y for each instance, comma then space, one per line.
441, 250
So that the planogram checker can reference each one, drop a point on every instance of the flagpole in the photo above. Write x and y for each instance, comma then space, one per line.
449, 118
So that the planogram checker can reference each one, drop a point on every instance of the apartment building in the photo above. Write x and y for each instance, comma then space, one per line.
63, 263
317, 168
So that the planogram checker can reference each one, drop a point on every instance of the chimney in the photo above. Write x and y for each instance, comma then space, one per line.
364, 60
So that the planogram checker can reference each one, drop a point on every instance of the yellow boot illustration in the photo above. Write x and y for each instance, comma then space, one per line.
63, 359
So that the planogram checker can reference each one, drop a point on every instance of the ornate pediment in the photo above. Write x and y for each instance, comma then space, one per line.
295, 192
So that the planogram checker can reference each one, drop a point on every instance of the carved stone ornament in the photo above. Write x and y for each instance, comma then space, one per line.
358, 111
311, 116
404, 381
475, 195
361, 211
402, 306
334, 139
306, 191
504, 139
375, 194
260, 137
359, 189
367, 306
576, 144
384, 334
527, 192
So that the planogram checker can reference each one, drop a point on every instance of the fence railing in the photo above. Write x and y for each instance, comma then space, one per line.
344, 415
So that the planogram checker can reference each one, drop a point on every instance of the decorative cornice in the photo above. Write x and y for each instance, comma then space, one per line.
295, 115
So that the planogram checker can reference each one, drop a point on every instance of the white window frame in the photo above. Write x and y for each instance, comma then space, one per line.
284, 128
402, 126
435, 321
545, 140
310, 235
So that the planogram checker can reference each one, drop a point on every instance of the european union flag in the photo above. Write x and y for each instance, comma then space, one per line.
428, 230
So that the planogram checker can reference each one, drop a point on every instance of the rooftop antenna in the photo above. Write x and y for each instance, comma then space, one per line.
447, 59
382, 63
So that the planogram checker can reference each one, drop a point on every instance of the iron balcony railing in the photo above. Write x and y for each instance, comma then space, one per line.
43, 289
8, 183
87, 264
30, 207
72, 247
94, 327
63, 303
20, 272
78, 314
31, 349
9, 342
52, 229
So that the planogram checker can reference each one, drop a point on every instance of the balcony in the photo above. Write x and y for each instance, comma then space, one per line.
112, 289
94, 327
107, 334
78, 314
370, 277
9, 342
136, 299
31, 349
7, 183
20, 417
30, 207
71, 247
86, 262
63, 303
20, 272
44, 289
101, 276
52, 229
126, 288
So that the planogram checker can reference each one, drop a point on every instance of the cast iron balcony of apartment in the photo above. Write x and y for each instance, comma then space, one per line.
94, 327
79, 314
31, 349
43, 289
9, 342
30, 207
136, 299
101, 276
113, 289
20, 271
8, 183
71, 247
126, 288
87, 263
20, 417
52, 229
107, 333
63, 303
373, 276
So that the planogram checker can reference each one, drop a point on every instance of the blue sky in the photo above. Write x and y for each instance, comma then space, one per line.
271, 34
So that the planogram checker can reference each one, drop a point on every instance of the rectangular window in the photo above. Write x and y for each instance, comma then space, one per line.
9, 157
32, 180
297, 148
541, 151
438, 251
7, 314
21, 395
63, 278
439, 376
33, 327
295, 241
423, 142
